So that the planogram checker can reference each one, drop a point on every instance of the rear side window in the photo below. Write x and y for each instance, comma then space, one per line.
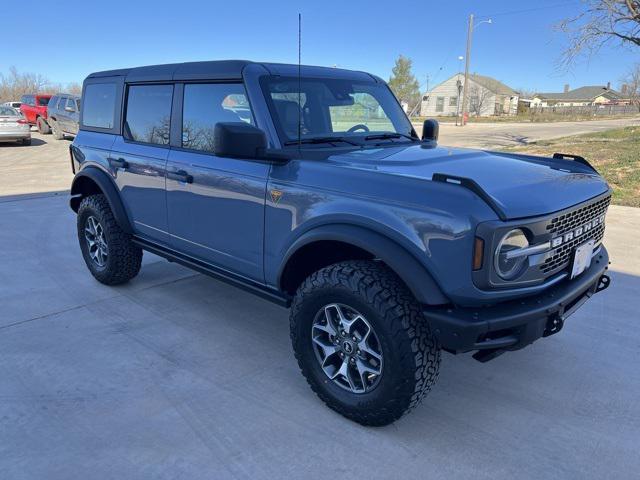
53, 102
43, 101
207, 104
99, 105
148, 114
71, 103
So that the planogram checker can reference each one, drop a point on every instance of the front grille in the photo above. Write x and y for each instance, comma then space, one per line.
569, 221
578, 217
562, 254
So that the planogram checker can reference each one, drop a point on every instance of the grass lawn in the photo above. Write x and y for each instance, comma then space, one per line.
615, 153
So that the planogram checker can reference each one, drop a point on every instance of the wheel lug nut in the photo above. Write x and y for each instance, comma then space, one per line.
341, 355
343, 333
352, 360
354, 338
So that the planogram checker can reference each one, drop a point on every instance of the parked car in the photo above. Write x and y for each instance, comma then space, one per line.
386, 247
13, 126
64, 115
34, 109
15, 105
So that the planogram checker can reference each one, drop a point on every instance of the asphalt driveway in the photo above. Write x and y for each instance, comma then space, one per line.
176, 375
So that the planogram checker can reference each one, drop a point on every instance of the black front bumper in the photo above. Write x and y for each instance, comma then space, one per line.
517, 323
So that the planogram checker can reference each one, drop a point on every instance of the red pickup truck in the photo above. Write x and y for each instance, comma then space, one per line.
34, 109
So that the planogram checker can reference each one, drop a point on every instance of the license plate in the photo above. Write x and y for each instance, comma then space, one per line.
582, 258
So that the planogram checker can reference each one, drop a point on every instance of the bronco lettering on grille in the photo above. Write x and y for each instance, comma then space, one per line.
576, 232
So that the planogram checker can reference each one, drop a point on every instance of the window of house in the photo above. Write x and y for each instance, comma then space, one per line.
148, 115
440, 104
208, 104
99, 105
453, 101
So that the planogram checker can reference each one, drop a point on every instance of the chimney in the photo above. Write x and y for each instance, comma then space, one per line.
566, 87
608, 85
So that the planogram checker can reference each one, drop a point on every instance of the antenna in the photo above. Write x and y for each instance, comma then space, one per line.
299, 80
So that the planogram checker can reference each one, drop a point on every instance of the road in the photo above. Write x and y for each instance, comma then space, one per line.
497, 135
176, 375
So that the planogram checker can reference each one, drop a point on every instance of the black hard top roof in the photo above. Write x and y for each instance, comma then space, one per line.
223, 70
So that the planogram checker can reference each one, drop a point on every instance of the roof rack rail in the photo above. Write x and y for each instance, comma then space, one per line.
575, 158
472, 185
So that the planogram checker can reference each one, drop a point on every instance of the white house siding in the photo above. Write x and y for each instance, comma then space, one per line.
449, 89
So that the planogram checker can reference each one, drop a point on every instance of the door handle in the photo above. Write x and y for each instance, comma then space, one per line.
180, 176
119, 163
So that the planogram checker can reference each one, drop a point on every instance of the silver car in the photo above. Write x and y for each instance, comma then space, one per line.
13, 126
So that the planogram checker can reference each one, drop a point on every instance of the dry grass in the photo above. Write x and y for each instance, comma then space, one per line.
615, 153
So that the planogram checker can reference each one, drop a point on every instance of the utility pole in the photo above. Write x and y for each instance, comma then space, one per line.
465, 90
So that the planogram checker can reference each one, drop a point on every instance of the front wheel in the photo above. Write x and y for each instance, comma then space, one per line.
362, 343
110, 255
43, 126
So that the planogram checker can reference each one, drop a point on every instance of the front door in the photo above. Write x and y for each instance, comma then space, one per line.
216, 205
139, 158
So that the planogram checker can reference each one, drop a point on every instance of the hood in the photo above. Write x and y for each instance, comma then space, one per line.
521, 185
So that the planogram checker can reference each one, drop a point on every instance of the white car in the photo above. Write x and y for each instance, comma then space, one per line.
13, 126
15, 105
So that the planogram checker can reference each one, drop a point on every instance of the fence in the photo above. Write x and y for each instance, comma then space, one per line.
587, 110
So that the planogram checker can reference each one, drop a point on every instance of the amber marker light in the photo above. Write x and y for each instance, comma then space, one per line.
478, 253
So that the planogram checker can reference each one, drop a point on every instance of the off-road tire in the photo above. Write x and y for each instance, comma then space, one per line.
55, 129
124, 258
26, 141
43, 126
411, 353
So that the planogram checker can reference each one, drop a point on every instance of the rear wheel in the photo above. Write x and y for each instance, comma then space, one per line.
110, 255
55, 129
43, 126
362, 343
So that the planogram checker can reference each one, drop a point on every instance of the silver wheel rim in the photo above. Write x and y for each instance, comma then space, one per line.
347, 348
96, 242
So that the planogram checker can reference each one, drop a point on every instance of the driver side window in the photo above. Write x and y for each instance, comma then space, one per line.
365, 111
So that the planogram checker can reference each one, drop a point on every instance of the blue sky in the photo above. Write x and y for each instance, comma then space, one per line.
519, 49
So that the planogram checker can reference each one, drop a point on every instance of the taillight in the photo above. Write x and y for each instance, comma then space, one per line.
22, 121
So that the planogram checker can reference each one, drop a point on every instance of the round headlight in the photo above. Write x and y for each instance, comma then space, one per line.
507, 266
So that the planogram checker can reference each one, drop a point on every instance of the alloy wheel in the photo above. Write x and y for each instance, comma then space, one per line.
96, 242
347, 348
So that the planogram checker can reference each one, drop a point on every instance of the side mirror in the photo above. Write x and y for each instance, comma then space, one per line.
242, 140
430, 130
238, 139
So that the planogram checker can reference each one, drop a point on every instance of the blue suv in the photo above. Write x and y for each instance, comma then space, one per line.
310, 188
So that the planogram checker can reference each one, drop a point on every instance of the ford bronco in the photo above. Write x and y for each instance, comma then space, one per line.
309, 187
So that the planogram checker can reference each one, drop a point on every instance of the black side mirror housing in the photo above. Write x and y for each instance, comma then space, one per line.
238, 139
430, 130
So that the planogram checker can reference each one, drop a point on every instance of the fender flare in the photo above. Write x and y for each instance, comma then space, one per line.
107, 187
410, 270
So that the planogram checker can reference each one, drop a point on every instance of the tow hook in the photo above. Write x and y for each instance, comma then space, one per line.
603, 283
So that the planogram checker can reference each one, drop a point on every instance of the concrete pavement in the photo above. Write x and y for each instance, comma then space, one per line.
176, 375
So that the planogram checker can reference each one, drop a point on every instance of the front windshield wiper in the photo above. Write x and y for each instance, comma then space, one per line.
315, 140
385, 136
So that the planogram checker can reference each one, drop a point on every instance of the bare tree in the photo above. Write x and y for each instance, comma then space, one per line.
14, 84
478, 98
601, 22
631, 82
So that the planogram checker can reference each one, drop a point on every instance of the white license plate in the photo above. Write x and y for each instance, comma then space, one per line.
582, 258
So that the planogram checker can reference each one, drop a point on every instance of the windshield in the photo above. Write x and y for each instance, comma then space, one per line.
334, 109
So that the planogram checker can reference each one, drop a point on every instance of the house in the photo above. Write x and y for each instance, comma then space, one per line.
487, 96
580, 97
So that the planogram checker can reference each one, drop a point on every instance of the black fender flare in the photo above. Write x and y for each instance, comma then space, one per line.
398, 258
107, 187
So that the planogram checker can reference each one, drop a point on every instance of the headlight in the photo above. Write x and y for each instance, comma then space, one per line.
509, 266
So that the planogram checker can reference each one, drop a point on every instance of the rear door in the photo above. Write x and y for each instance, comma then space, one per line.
140, 156
215, 205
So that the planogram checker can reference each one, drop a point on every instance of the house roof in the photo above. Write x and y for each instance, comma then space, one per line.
583, 93
493, 85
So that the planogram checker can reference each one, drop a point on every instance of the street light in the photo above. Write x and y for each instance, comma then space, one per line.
459, 87
466, 68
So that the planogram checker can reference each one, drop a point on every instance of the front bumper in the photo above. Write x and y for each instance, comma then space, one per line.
515, 324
